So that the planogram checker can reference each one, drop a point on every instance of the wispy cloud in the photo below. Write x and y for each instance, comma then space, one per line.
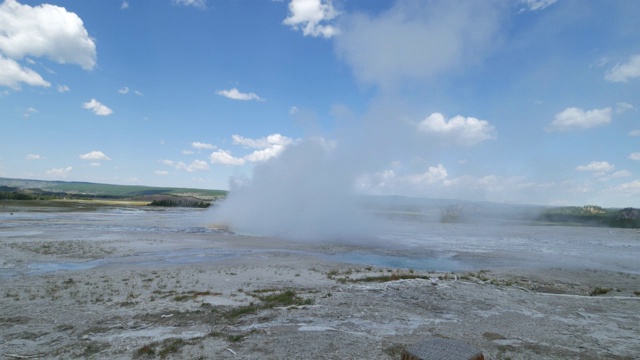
203, 146
95, 106
313, 17
30, 111
625, 71
622, 107
235, 94
34, 157
634, 156
195, 3
575, 119
124, 5
196, 165
62, 88
536, 5
597, 167
382, 49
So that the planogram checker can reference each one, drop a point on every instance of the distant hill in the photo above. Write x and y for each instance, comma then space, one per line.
45, 188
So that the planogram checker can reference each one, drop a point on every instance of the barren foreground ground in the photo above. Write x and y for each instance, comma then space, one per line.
77, 293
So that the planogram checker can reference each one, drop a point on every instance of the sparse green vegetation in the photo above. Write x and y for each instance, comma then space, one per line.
600, 291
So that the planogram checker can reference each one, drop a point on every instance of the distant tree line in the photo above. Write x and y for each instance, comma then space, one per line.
180, 203
593, 216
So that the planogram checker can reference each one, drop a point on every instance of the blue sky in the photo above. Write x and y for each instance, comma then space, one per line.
532, 101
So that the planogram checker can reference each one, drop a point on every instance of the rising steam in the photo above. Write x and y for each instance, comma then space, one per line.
304, 193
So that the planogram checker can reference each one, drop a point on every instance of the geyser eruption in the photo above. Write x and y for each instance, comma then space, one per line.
305, 193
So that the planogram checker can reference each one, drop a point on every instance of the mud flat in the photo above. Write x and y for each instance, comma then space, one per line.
74, 292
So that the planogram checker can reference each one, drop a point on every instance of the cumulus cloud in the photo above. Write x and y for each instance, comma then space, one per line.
313, 17
625, 71
203, 146
62, 88
575, 118
224, 157
235, 94
634, 156
634, 133
34, 157
59, 173
466, 131
45, 30
416, 40
95, 106
94, 155
597, 167
12, 75
266, 148
195, 3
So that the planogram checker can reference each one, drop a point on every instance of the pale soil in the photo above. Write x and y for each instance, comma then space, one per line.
131, 306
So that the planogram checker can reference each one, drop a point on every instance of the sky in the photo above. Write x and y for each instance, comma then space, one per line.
521, 101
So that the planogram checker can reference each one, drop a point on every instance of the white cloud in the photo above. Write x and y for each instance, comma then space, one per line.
62, 88
168, 162
45, 30
94, 155
195, 3
621, 174
634, 133
632, 187
416, 40
203, 146
623, 106
124, 90
466, 131
261, 143
535, 5
161, 172
389, 182
312, 16
575, 118
34, 157
97, 107
626, 71
235, 94
138, 93
12, 74
196, 165
30, 111
269, 146
95, 164
596, 166
187, 152
124, 5
59, 173
634, 156
224, 158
